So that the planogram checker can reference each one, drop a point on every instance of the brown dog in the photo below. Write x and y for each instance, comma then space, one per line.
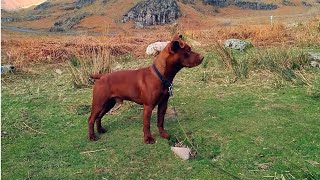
148, 86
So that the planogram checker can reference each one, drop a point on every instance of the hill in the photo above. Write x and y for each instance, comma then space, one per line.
18, 4
107, 15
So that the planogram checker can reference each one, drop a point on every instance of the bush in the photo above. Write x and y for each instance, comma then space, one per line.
283, 62
239, 68
92, 61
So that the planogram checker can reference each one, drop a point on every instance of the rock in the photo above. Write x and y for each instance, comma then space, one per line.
187, 1
156, 48
43, 6
306, 4
255, 5
81, 3
153, 12
217, 3
7, 69
288, 3
314, 59
293, 25
66, 23
182, 152
315, 64
58, 71
237, 44
314, 56
3, 133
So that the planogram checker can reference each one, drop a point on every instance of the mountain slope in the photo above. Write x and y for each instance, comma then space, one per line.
108, 15
17, 4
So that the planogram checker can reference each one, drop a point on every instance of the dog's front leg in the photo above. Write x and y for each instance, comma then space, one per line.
147, 111
162, 108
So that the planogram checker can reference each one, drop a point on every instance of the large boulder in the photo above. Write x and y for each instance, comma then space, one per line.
7, 69
217, 3
237, 44
155, 48
67, 22
153, 12
81, 3
255, 5
43, 6
314, 59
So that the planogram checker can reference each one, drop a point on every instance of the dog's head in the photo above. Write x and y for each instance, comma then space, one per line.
182, 54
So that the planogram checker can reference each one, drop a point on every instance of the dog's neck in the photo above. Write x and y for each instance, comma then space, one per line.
166, 67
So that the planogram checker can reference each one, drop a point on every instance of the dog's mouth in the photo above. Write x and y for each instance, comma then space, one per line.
196, 63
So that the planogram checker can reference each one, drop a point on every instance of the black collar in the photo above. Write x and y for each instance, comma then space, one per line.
166, 83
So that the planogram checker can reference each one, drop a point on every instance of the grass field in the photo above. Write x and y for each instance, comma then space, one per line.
256, 128
252, 114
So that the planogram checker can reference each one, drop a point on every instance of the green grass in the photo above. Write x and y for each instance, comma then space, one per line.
248, 128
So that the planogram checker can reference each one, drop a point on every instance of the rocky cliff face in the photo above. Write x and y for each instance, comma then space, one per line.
82, 3
67, 22
239, 3
218, 3
255, 5
153, 12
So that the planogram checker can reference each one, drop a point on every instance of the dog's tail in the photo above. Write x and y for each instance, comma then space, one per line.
96, 76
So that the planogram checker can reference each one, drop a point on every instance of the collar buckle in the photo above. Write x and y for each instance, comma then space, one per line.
165, 82
170, 90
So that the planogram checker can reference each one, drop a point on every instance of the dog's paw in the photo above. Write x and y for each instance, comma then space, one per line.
93, 137
101, 130
164, 134
149, 140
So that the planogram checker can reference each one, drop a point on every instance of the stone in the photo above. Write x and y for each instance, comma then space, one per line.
217, 3
314, 59
155, 48
43, 6
8, 69
237, 44
58, 71
306, 4
67, 22
81, 3
255, 5
314, 56
315, 64
153, 12
182, 152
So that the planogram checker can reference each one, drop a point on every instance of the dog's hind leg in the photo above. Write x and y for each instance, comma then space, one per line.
96, 110
99, 101
107, 107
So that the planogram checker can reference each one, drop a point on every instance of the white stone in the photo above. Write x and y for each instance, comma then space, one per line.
58, 71
7, 68
315, 64
182, 152
155, 48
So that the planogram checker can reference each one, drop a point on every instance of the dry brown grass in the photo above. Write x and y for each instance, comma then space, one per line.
22, 50
94, 60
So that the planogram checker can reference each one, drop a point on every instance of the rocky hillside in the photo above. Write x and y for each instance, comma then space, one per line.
17, 4
98, 15
153, 12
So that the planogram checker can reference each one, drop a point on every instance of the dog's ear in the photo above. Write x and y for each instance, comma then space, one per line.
175, 46
177, 37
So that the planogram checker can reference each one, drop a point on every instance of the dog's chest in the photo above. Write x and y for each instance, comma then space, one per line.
164, 94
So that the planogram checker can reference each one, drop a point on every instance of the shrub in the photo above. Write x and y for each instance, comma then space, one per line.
239, 68
92, 61
283, 62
